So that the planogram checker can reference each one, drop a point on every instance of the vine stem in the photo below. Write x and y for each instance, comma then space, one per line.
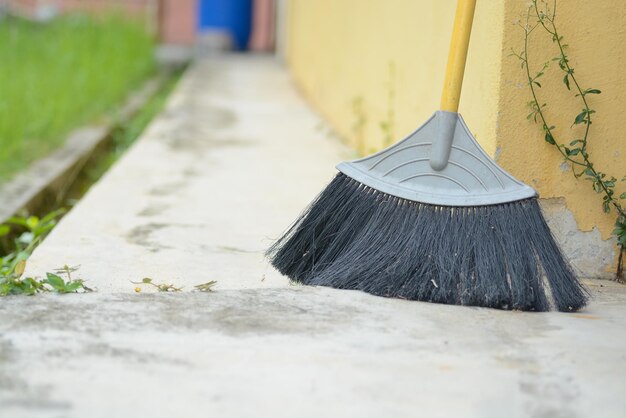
570, 73
546, 127
564, 65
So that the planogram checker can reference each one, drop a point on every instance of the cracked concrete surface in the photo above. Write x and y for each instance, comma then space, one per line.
231, 161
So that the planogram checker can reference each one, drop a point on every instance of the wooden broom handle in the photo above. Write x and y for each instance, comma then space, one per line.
457, 55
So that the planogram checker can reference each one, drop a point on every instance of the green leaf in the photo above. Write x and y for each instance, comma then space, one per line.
4, 230
622, 196
549, 138
592, 91
19, 268
575, 151
42, 229
52, 216
580, 118
206, 287
566, 80
73, 286
537, 83
55, 281
16, 220
32, 222
146, 280
26, 238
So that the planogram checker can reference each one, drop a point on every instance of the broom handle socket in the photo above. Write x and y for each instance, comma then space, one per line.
447, 117
442, 145
457, 55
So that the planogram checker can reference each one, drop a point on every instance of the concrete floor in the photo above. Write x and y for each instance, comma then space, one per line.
232, 160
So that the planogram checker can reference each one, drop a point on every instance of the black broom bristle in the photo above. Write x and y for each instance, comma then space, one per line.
499, 256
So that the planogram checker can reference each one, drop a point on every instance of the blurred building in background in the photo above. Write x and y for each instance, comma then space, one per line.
232, 24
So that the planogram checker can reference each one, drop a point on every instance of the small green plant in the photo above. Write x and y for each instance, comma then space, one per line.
576, 153
206, 287
60, 285
358, 127
20, 235
388, 125
14, 284
161, 287
167, 287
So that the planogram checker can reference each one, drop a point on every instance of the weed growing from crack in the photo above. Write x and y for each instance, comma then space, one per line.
206, 287
14, 284
19, 236
161, 287
167, 287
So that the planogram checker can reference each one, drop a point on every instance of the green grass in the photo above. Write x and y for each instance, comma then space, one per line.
57, 76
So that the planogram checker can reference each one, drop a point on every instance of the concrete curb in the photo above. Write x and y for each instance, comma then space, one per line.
44, 180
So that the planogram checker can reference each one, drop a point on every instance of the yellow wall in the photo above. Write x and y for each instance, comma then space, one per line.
342, 51
347, 55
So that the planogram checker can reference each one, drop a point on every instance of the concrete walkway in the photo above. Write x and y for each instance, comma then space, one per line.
231, 161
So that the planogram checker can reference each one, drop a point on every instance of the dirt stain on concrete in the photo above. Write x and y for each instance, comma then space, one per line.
167, 188
228, 249
201, 143
190, 173
196, 127
153, 210
253, 312
103, 349
142, 236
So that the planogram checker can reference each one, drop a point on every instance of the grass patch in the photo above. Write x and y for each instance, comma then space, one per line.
57, 76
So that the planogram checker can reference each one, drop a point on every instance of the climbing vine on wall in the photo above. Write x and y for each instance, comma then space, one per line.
542, 17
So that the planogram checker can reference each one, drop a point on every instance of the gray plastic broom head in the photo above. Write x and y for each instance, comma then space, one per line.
440, 164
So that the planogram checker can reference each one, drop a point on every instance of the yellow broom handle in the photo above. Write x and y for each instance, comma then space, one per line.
457, 55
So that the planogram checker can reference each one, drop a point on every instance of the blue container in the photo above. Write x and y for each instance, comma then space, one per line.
234, 16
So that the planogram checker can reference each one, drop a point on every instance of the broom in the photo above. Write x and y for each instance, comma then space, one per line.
432, 218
